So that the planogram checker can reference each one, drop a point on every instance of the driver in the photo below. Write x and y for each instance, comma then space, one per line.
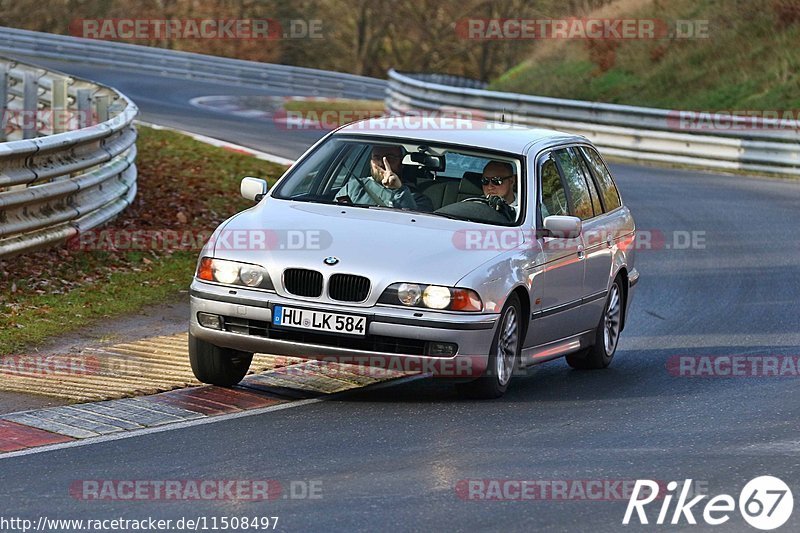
383, 187
499, 184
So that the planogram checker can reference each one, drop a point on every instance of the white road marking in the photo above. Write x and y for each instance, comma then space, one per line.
201, 421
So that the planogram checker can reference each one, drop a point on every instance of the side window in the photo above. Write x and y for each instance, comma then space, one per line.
554, 199
576, 185
608, 190
596, 205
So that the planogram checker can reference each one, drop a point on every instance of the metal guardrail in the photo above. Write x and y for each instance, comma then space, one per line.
638, 133
190, 66
451, 80
67, 163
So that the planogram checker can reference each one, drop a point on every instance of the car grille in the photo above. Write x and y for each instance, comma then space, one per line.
302, 282
348, 288
370, 343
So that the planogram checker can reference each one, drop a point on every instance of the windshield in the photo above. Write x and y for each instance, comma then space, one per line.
448, 181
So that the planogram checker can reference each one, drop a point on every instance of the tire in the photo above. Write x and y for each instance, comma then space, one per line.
601, 353
217, 366
503, 357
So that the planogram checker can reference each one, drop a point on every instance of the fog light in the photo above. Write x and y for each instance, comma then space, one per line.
440, 349
207, 320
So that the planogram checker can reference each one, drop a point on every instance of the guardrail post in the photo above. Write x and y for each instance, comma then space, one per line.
58, 105
3, 101
52, 168
30, 105
101, 102
84, 107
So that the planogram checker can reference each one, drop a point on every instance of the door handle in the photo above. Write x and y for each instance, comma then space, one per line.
610, 240
581, 252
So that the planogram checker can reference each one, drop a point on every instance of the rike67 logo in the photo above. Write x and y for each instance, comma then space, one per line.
765, 503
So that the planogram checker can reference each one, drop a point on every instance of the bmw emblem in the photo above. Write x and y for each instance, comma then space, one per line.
330, 261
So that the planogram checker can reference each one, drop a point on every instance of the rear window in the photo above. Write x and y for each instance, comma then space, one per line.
578, 190
608, 190
587, 176
458, 164
554, 198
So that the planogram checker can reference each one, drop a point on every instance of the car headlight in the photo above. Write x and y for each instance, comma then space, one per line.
431, 297
233, 273
436, 297
226, 272
409, 293
251, 275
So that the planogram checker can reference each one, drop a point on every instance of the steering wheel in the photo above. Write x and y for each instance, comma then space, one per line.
481, 199
495, 203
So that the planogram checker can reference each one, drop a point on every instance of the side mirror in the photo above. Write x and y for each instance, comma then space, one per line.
563, 227
253, 188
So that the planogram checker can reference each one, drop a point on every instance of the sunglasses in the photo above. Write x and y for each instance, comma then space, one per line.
497, 180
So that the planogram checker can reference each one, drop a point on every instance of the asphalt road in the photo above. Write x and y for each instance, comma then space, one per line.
393, 457
165, 101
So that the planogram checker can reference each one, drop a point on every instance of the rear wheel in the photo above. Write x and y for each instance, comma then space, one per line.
606, 336
503, 357
217, 366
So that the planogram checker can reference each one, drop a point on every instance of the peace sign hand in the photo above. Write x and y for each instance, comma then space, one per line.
390, 180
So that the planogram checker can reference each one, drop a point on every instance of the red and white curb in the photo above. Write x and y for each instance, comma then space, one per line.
38, 430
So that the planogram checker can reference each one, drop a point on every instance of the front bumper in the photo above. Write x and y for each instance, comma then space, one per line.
252, 311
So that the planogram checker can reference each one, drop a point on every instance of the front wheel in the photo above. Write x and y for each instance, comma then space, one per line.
606, 336
503, 357
217, 366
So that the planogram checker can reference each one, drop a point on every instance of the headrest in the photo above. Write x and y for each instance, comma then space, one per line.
414, 175
471, 184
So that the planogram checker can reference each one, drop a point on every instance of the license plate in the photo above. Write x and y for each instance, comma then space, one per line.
292, 317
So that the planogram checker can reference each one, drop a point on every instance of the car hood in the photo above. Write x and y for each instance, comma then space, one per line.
385, 245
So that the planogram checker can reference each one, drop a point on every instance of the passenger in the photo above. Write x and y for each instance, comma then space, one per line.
384, 186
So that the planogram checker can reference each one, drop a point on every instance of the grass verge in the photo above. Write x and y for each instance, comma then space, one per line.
184, 187
340, 105
747, 61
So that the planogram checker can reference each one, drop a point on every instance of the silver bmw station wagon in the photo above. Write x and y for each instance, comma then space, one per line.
469, 252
